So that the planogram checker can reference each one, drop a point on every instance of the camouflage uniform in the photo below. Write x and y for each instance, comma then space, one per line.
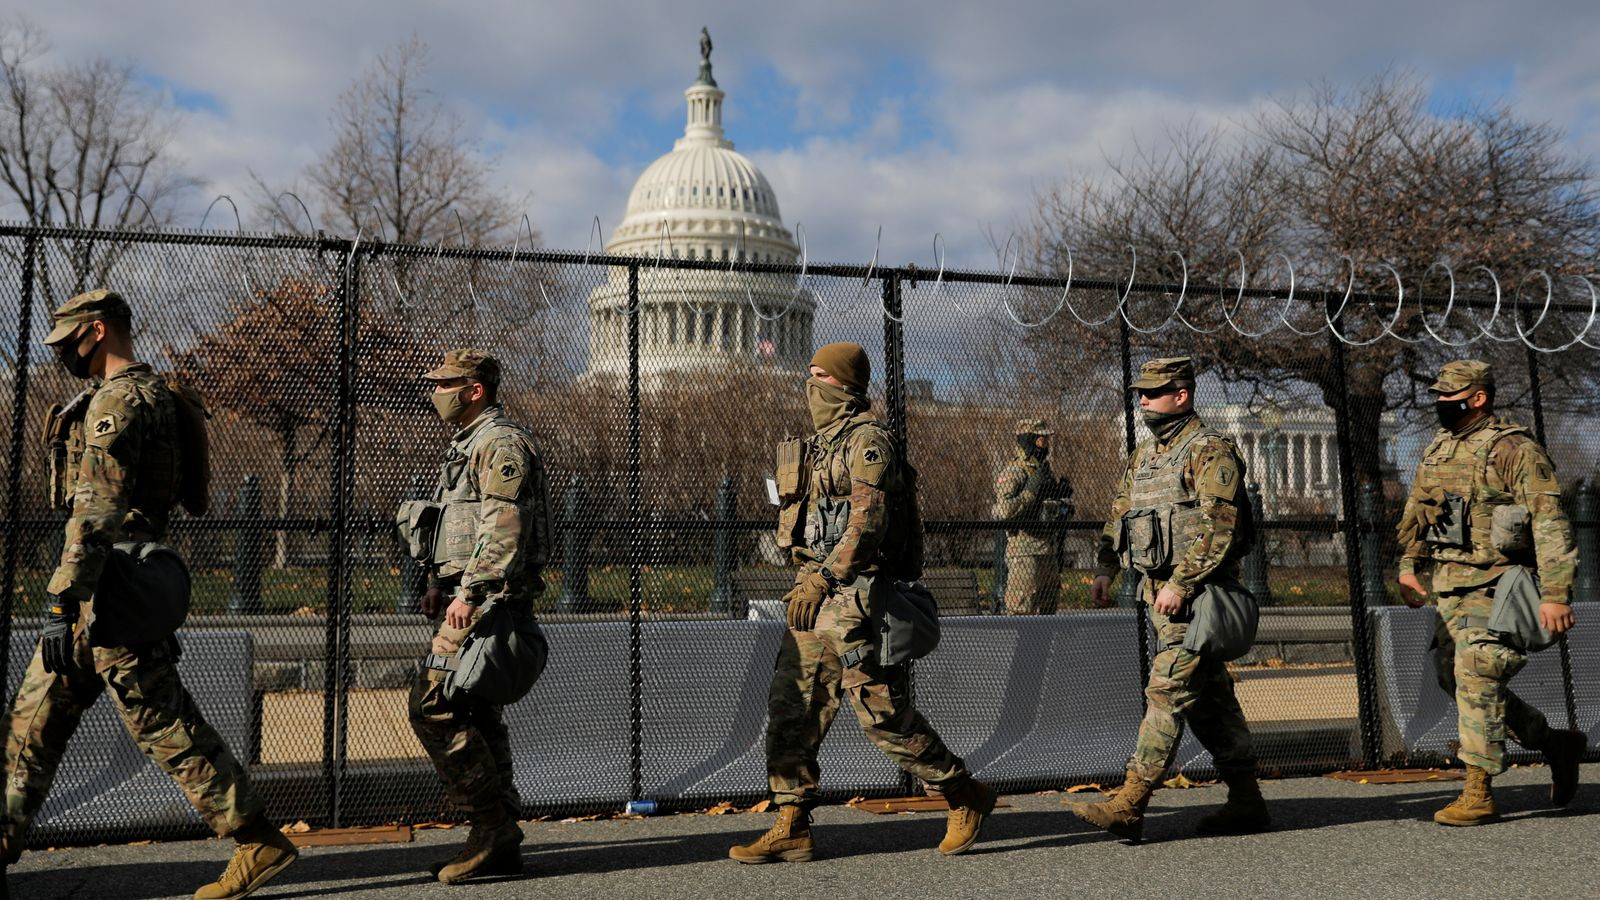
493, 541
1494, 465
855, 468
124, 487
1193, 478
1027, 494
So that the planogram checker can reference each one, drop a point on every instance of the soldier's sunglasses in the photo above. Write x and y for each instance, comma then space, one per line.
1153, 393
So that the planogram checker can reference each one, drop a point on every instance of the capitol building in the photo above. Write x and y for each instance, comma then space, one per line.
703, 201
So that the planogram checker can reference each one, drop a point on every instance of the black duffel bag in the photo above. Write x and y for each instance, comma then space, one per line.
142, 596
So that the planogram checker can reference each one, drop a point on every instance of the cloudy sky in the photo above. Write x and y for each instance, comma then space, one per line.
920, 118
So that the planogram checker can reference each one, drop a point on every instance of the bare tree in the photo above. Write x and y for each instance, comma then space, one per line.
400, 168
83, 146
1373, 175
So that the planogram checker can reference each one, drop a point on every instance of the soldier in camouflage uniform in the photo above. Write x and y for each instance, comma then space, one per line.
1174, 521
1485, 499
492, 541
845, 494
1029, 496
123, 488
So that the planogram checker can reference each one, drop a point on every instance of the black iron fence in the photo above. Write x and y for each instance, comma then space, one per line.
658, 388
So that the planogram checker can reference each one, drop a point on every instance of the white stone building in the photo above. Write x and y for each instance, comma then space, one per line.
1293, 454
702, 201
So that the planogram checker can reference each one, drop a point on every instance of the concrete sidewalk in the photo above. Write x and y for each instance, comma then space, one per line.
1332, 838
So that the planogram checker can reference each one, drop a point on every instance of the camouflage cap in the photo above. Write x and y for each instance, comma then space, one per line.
1033, 426
1162, 372
468, 362
1462, 374
87, 307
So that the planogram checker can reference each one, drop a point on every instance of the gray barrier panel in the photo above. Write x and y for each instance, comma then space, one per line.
1420, 718
570, 735
1035, 698
705, 716
104, 782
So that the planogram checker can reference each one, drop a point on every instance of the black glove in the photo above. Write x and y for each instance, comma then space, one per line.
432, 602
55, 646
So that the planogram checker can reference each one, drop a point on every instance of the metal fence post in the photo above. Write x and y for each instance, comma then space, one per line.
721, 601
1129, 596
19, 417
245, 595
413, 577
574, 551
1360, 626
1372, 587
1002, 575
635, 549
336, 662
1255, 562
1586, 528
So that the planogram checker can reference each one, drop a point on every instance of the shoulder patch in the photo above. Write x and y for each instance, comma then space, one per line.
505, 473
870, 452
1218, 472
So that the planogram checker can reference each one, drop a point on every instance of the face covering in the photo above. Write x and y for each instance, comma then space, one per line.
1451, 412
1165, 426
1029, 445
830, 402
450, 404
76, 364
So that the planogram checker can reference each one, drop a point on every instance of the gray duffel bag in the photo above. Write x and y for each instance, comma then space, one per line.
1224, 620
499, 660
907, 620
1515, 617
142, 596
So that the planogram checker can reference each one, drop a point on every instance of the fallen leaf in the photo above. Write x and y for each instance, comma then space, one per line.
720, 809
1178, 782
761, 807
1085, 788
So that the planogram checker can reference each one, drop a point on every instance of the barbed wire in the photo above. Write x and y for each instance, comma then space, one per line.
1543, 327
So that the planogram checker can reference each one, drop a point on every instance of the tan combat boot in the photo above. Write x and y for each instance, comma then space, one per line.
1475, 806
262, 853
1123, 814
492, 850
971, 801
788, 840
1244, 813
1563, 752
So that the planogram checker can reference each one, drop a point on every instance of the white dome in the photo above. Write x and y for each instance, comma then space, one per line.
703, 201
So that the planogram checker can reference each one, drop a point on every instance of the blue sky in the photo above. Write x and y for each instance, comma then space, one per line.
919, 118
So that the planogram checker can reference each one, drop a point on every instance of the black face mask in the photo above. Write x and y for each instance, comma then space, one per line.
1029, 446
1451, 412
76, 364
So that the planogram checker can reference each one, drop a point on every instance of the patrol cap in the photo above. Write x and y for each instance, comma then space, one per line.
468, 362
88, 306
846, 361
1033, 426
1462, 374
1161, 372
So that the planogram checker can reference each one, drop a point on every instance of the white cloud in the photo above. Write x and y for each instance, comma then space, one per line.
1018, 93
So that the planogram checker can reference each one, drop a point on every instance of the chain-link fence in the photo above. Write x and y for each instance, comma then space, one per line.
657, 390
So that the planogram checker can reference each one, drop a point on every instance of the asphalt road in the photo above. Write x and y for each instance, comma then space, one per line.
1333, 839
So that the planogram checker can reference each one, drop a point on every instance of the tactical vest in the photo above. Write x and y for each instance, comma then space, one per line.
1477, 529
1163, 512
814, 486
142, 397
461, 500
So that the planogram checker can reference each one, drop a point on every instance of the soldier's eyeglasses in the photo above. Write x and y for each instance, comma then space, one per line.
1153, 393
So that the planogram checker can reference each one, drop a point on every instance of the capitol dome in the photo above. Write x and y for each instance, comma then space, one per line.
702, 201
